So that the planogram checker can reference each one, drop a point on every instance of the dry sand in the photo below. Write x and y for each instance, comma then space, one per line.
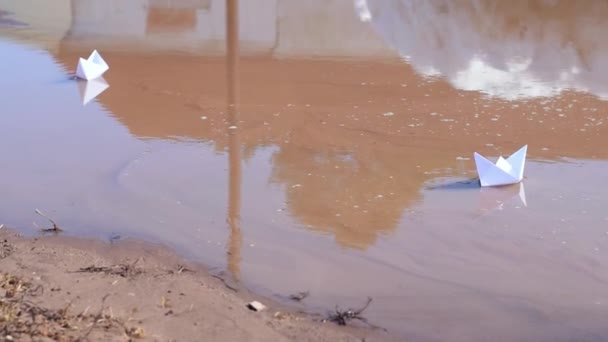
136, 291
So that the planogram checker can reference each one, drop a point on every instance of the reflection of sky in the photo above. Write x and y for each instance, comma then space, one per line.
508, 49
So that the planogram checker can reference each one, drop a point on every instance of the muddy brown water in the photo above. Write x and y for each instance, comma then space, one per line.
327, 147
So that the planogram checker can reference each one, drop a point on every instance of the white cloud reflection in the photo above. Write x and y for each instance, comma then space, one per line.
507, 49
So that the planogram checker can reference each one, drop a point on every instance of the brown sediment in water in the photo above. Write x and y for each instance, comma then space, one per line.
359, 139
287, 101
64, 282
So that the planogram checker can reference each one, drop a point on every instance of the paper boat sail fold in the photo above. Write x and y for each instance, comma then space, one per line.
505, 171
92, 67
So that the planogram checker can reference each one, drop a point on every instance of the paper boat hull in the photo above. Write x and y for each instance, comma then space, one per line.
504, 172
88, 70
91, 68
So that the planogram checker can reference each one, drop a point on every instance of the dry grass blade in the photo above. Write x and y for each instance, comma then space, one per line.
228, 286
6, 249
135, 332
183, 269
24, 320
96, 319
55, 228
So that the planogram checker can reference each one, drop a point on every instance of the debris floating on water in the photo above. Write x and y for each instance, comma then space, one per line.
299, 296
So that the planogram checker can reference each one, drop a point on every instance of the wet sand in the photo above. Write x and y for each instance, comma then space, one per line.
160, 297
316, 161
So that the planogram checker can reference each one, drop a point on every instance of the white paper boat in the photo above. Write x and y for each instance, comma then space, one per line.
92, 67
91, 89
505, 171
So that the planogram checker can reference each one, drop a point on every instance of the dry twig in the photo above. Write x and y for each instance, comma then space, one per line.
123, 270
341, 317
225, 283
55, 228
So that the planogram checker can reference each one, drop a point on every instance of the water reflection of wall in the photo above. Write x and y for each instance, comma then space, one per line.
325, 27
279, 27
509, 49
179, 24
41, 21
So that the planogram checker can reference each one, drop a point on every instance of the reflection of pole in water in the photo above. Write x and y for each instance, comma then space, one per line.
232, 55
234, 152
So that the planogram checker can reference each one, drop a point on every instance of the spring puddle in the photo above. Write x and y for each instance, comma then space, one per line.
281, 165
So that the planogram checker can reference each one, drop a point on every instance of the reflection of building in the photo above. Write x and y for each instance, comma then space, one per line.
183, 25
283, 28
325, 28
509, 49
47, 21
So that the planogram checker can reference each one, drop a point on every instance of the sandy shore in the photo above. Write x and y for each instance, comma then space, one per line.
128, 290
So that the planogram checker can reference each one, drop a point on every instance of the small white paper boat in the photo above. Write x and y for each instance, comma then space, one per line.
505, 171
92, 67
91, 89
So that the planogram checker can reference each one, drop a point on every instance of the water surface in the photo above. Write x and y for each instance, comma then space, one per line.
333, 157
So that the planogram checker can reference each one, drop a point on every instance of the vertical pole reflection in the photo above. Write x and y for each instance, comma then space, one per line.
234, 151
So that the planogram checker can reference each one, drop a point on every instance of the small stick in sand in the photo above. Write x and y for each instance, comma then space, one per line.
55, 228
98, 318
225, 283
